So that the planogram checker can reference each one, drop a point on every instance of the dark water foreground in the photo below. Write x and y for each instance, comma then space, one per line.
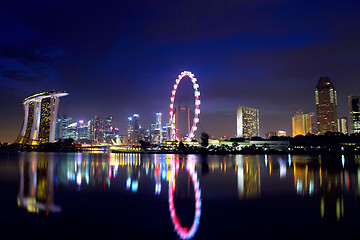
168, 196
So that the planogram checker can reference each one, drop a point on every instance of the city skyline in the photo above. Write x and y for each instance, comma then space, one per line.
114, 64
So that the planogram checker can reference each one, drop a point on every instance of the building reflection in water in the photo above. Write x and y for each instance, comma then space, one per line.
248, 177
41, 172
328, 179
305, 177
36, 190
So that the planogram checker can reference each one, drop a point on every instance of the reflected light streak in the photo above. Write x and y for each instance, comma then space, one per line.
266, 160
128, 183
182, 232
78, 179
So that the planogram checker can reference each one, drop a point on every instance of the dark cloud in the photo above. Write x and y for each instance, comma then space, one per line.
20, 76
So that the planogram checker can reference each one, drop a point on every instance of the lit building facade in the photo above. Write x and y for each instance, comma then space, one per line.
326, 106
247, 122
354, 111
342, 125
70, 131
133, 129
62, 123
98, 129
156, 130
40, 117
82, 130
281, 133
109, 130
301, 123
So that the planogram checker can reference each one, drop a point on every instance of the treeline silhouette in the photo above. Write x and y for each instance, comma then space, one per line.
66, 145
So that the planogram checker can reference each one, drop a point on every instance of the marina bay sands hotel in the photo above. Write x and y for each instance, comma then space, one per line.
40, 113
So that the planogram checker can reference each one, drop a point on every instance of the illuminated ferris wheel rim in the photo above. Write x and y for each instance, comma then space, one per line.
197, 105
185, 233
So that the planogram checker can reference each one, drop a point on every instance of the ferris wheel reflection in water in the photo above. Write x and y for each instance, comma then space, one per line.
183, 232
39, 173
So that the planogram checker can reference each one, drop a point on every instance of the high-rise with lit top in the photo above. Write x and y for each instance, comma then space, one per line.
40, 114
247, 122
326, 106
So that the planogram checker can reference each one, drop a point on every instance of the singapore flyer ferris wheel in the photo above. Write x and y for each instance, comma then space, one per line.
191, 134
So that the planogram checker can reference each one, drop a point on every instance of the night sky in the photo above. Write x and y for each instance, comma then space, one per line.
117, 58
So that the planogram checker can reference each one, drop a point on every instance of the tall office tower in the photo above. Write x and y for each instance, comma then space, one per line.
301, 123
109, 130
65, 122
82, 130
354, 111
98, 129
159, 127
153, 127
133, 129
91, 127
163, 134
155, 130
130, 128
169, 135
62, 122
247, 122
70, 131
144, 134
342, 125
158, 120
326, 106
40, 113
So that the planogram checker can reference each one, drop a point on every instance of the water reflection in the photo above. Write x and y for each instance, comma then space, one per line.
36, 190
182, 231
332, 182
248, 177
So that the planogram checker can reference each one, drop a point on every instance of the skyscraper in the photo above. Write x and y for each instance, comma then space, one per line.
70, 131
108, 130
326, 106
354, 111
301, 123
158, 120
98, 129
155, 130
40, 115
82, 130
62, 123
247, 122
133, 129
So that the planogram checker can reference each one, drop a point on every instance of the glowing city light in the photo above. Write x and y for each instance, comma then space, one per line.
128, 183
183, 232
197, 105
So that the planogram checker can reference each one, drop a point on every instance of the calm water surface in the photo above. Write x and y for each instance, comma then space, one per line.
168, 196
